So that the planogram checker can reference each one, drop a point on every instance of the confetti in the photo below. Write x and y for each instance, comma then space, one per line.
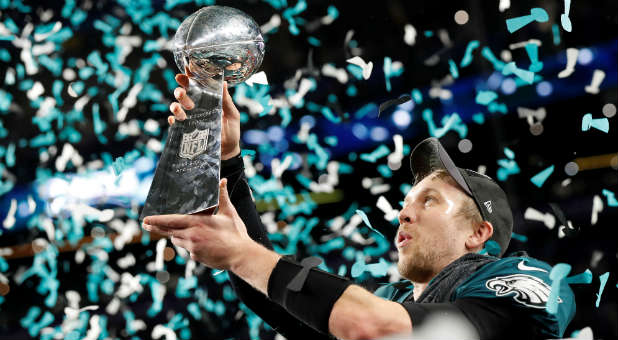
564, 17
536, 14
601, 124
603, 281
366, 67
392, 102
467, 58
367, 223
557, 274
542, 176
571, 54
611, 198
597, 79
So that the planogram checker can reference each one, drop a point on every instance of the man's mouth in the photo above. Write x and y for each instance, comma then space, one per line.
403, 238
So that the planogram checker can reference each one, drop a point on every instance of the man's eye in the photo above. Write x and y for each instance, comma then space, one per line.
429, 199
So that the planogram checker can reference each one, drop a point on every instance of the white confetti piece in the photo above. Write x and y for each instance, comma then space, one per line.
9, 220
597, 79
524, 43
257, 78
274, 22
409, 36
389, 213
36, 91
597, 207
571, 54
160, 331
366, 67
338, 73
534, 215
303, 88
42, 36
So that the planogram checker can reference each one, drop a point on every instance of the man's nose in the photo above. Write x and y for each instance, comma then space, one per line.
405, 216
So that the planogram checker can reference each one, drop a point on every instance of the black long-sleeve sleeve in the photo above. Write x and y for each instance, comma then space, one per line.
272, 313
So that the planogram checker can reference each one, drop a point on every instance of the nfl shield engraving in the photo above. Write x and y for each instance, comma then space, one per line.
213, 45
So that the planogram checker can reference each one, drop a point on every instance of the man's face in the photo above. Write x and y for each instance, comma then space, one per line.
431, 233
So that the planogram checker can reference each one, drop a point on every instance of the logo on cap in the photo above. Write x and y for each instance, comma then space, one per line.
488, 206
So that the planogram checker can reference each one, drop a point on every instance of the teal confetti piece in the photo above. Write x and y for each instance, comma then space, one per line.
390, 72
485, 97
43, 140
333, 12
581, 278
611, 198
507, 167
491, 247
53, 65
78, 17
379, 152
603, 281
509, 153
478, 118
98, 124
5, 100
601, 124
366, 110
488, 54
61, 36
536, 14
367, 223
453, 68
194, 310
428, 34
519, 237
522, 74
542, 176
313, 41
497, 107
10, 155
5, 55
331, 140
417, 96
558, 273
328, 113
102, 26
10, 24
533, 53
556, 34
467, 58
385, 171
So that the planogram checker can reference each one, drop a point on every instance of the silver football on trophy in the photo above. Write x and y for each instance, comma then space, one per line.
219, 38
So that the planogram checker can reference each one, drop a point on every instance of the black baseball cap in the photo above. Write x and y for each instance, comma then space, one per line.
429, 156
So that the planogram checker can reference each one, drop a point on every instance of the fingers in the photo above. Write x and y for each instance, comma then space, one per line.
167, 222
178, 112
182, 80
181, 95
229, 109
179, 242
170, 120
225, 205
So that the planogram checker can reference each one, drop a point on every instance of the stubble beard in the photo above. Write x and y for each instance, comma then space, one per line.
416, 265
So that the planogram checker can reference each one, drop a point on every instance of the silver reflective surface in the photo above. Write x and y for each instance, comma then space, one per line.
218, 38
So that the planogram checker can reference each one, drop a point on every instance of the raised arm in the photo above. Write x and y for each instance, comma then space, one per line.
240, 196
326, 302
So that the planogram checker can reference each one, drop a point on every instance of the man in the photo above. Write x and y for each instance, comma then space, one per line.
450, 216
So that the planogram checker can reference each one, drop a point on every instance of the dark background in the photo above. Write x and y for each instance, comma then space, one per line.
378, 32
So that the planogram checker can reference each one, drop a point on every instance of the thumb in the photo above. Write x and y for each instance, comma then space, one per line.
229, 109
225, 204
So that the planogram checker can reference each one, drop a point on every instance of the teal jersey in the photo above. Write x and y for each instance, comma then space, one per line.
522, 283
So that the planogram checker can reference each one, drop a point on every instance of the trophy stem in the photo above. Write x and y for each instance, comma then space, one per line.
186, 180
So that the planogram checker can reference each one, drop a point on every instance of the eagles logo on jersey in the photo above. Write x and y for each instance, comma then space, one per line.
527, 289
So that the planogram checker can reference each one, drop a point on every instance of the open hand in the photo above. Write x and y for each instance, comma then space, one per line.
218, 241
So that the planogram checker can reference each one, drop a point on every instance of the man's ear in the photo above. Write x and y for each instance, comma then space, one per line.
481, 233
